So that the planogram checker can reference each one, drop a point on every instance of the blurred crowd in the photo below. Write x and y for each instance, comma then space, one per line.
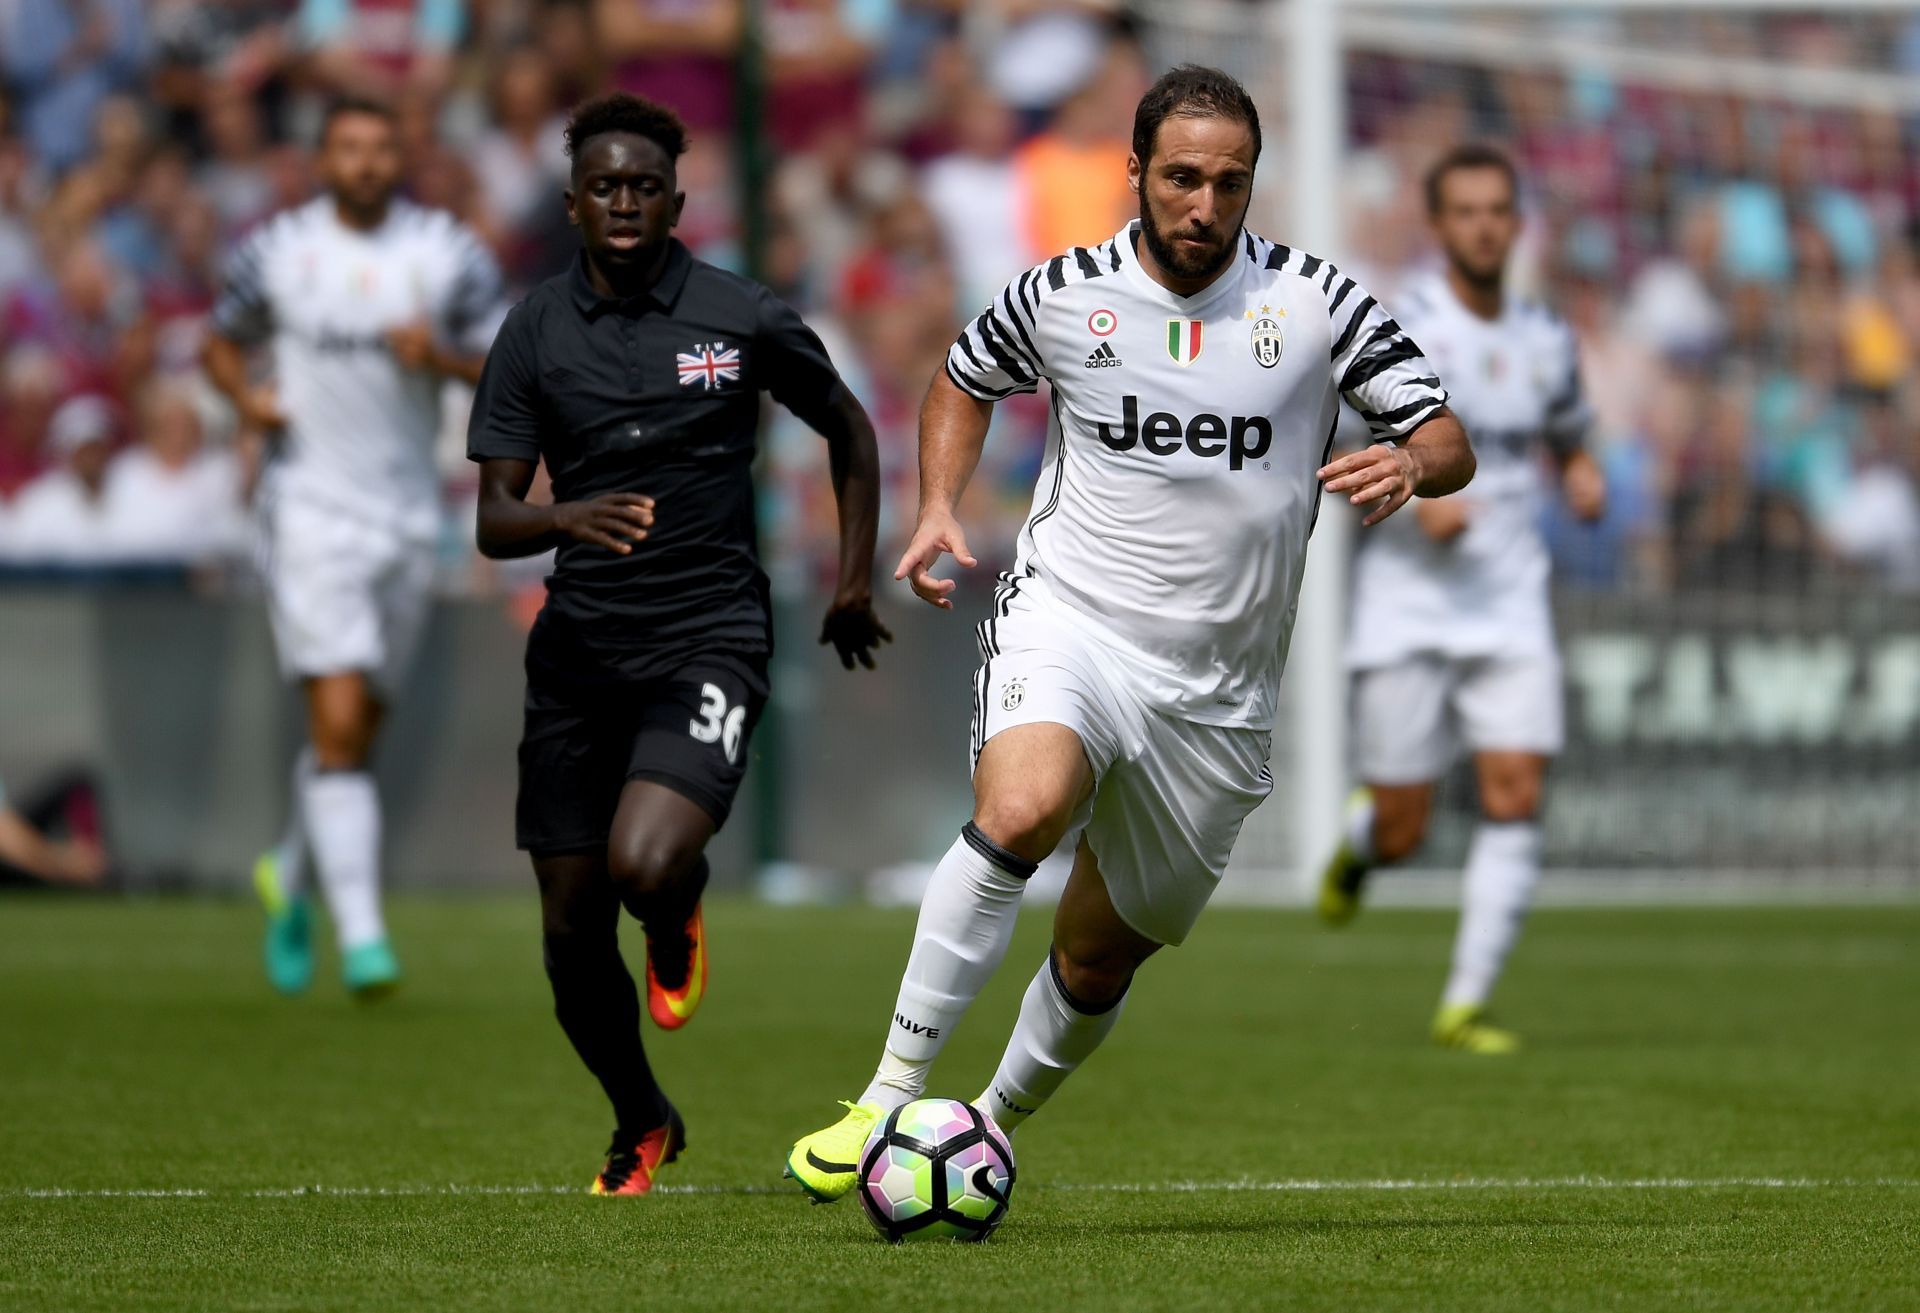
1745, 277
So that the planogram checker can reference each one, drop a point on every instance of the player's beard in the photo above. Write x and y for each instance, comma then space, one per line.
1183, 265
365, 202
1483, 275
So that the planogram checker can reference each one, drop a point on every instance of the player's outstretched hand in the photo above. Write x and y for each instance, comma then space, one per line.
615, 520
260, 410
1379, 475
854, 630
1443, 518
1586, 488
411, 344
80, 861
938, 535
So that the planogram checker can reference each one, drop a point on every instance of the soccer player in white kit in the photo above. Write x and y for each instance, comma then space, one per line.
1451, 642
1132, 660
365, 303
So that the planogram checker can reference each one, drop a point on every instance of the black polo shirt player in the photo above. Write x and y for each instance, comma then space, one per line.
636, 376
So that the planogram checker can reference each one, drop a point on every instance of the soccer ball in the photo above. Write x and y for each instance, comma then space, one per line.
936, 1168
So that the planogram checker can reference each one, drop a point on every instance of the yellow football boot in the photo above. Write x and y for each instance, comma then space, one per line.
1464, 1026
1345, 874
827, 1163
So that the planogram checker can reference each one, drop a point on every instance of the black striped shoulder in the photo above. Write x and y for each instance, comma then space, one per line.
434, 226
1324, 274
1416, 300
1349, 306
252, 255
1079, 265
286, 225
1021, 300
1539, 317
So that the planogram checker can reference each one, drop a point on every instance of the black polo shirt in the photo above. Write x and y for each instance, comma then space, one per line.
656, 394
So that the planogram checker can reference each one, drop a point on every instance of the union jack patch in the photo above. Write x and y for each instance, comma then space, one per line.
709, 364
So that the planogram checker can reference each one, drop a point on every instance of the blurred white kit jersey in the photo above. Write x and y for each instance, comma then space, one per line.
1171, 516
1515, 384
360, 428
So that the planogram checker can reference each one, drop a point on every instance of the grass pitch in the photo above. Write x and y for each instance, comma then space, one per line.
1720, 1109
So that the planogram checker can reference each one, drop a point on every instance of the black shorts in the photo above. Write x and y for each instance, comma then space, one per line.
586, 737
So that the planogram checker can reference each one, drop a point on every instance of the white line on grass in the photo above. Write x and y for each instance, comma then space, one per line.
1123, 1187
1501, 1183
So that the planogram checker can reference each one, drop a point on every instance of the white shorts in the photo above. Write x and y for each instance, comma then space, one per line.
1412, 719
344, 594
1169, 794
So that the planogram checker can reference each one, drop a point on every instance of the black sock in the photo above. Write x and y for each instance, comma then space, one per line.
594, 998
666, 912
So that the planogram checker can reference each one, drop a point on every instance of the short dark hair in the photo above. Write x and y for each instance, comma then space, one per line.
341, 107
1192, 91
617, 111
1468, 155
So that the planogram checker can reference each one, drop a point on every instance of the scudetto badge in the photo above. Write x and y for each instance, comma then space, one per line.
1267, 342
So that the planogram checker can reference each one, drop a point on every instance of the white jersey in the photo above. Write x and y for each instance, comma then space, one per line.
360, 428
1171, 515
1515, 383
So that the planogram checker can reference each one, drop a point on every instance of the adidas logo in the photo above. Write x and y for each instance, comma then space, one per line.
1103, 357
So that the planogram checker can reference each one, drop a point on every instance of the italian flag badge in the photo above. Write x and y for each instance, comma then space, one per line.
1183, 340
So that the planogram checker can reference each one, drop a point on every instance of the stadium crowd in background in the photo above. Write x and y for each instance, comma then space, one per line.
1745, 277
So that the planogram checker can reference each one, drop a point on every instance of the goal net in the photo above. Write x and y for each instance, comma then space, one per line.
1724, 202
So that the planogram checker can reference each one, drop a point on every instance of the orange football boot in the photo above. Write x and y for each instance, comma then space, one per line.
672, 1008
631, 1167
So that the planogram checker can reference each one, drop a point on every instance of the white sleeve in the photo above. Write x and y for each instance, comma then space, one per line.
1377, 367
995, 356
477, 297
243, 312
1568, 414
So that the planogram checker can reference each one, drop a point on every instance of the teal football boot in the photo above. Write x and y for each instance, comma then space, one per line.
370, 970
289, 942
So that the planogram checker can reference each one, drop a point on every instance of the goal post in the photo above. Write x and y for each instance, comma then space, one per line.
1314, 688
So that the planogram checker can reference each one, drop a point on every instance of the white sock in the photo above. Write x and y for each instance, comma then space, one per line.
1502, 867
966, 922
1359, 834
1051, 1039
292, 852
343, 826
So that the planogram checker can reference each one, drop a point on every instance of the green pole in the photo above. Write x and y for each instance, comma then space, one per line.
754, 163
754, 154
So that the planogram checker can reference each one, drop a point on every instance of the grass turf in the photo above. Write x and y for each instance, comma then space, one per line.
1761, 1062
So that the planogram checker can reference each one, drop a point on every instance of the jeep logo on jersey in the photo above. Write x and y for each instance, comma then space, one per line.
1240, 438
1183, 340
1267, 342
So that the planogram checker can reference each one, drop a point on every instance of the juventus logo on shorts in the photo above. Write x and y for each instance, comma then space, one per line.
1012, 694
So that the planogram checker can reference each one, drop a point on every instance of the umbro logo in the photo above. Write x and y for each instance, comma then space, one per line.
1103, 357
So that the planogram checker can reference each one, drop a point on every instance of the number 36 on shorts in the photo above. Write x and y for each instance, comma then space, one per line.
718, 723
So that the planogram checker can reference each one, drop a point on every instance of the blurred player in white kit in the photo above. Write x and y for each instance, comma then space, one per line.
365, 304
1451, 643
